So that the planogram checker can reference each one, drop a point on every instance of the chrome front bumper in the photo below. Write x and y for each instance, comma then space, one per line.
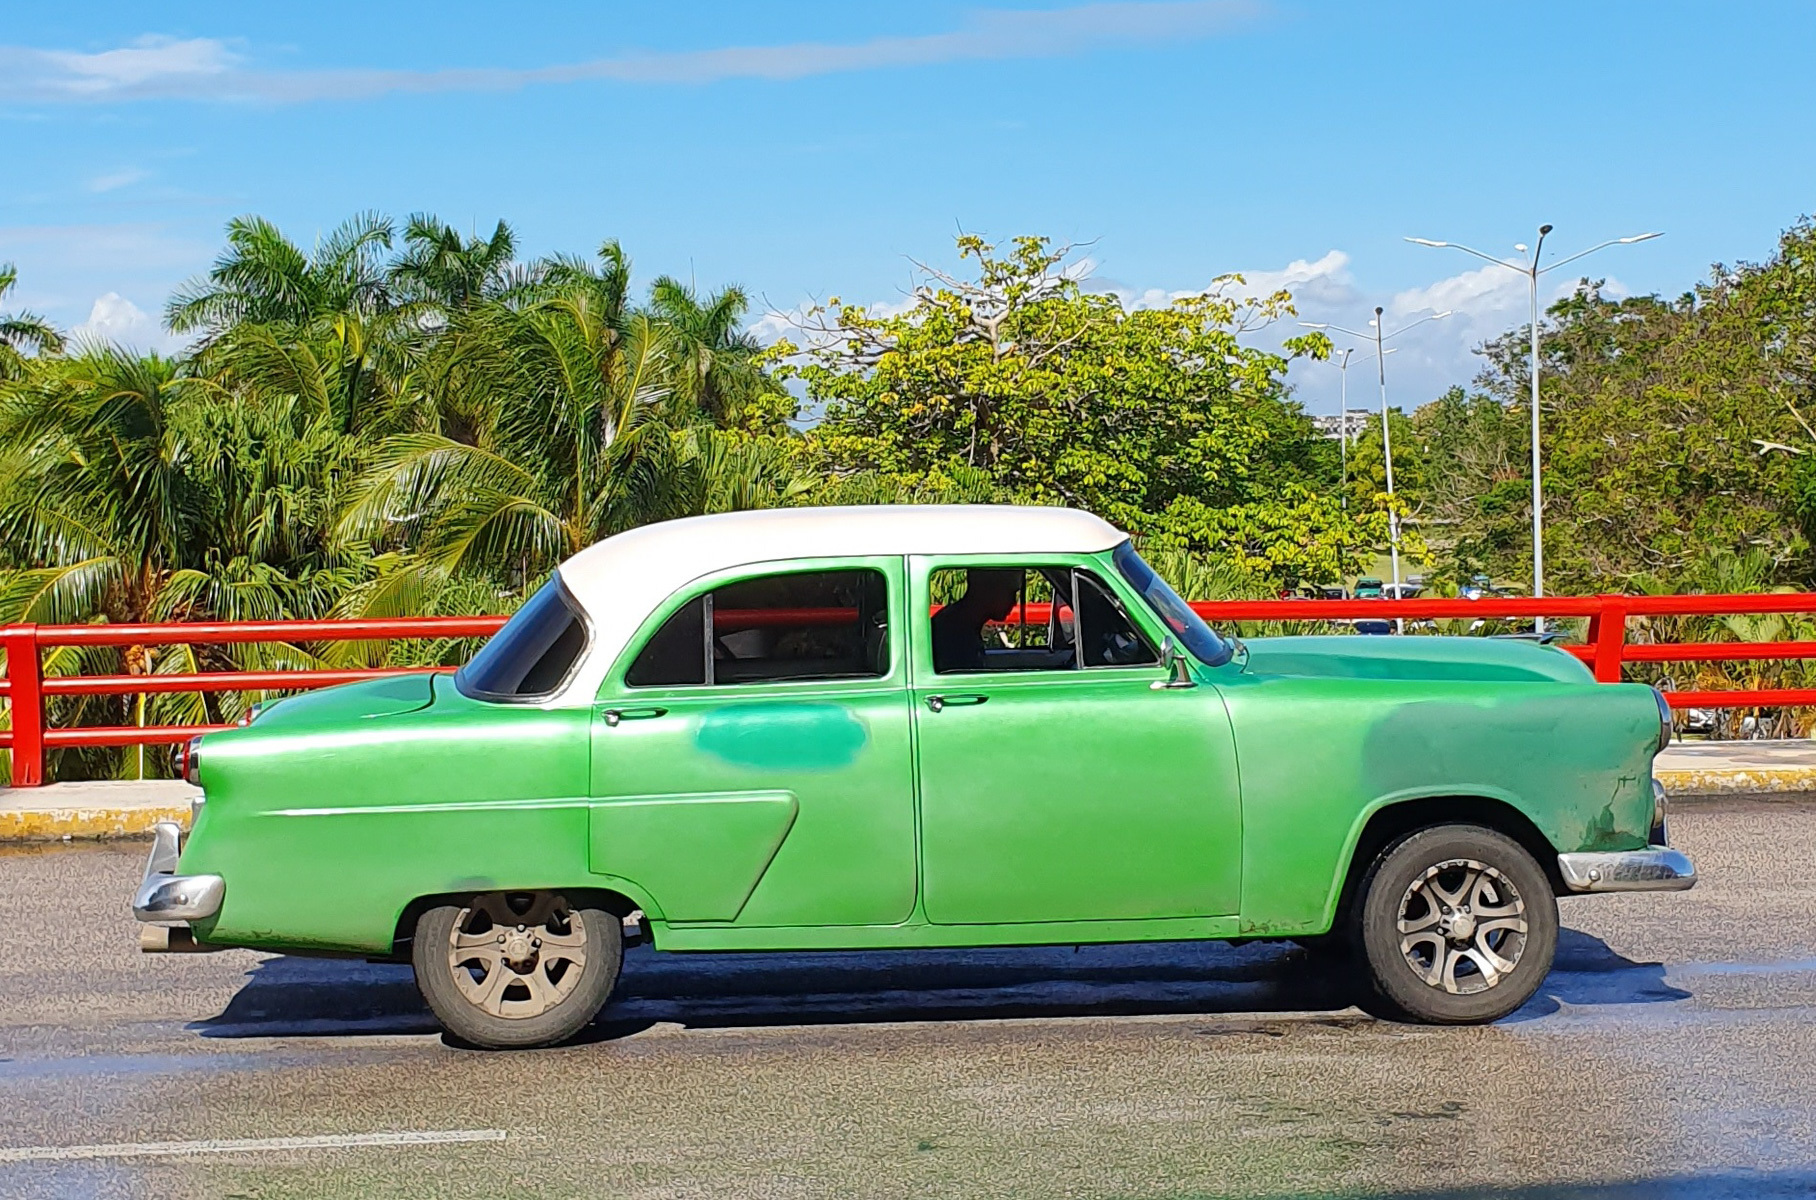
164, 895
1654, 869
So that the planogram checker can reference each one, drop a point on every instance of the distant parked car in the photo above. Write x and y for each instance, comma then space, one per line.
1368, 588
1333, 591
1401, 591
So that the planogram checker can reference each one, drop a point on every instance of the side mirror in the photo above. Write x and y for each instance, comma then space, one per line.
1179, 670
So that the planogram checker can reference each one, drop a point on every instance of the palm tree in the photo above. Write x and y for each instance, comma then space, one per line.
716, 367
263, 278
562, 396
132, 491
442, 271
22, 331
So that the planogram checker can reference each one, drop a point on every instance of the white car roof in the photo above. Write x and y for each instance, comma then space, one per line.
622, 579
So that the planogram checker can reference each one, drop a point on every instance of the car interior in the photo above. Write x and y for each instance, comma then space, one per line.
1041, 631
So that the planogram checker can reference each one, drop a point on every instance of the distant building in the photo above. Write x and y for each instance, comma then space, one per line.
1331, 425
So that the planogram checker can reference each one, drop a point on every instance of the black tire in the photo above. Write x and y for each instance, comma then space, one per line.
558, 967
1429, 952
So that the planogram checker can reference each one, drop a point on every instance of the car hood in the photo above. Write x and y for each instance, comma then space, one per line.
1414, 657
351, 702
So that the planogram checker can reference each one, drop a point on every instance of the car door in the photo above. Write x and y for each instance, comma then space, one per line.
1060, 786
751, 751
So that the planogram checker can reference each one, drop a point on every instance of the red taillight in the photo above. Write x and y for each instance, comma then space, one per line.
189, 762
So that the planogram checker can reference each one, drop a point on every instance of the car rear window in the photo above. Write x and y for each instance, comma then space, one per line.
532, 656
799, 625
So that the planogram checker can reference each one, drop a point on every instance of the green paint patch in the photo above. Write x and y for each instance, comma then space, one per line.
779, 736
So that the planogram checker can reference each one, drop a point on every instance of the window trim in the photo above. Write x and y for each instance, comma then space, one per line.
1139, 616
576, 610
890, 566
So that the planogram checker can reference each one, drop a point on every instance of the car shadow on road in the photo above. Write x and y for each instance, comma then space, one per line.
293, 996
1589, 972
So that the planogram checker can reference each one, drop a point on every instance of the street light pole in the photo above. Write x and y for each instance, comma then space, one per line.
1387, 455
1343, 422
1531, 269
1538, 493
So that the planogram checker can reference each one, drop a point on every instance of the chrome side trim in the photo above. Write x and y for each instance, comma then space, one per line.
164, 895
1654, 869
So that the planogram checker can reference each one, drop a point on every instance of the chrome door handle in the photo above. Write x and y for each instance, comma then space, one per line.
936, 703
615, 715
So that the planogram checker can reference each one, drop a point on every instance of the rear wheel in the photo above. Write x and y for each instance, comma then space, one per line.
1458, 926
510, 970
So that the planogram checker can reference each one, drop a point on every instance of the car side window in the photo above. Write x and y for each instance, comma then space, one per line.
795, 625
1029, 619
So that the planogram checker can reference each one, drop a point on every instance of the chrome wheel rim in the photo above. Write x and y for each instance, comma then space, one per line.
517, 955
1462, 926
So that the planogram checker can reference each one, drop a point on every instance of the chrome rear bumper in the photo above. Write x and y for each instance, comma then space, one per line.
164, 895
1654, 869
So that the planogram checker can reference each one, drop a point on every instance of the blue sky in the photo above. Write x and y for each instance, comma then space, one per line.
808, 150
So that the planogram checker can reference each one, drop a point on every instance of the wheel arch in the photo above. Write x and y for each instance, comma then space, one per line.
1398, 819
616, 903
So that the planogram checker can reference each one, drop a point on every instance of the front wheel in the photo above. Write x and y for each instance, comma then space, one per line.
511, 970
1458, 926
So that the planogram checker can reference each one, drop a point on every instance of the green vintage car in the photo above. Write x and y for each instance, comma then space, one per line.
914, 727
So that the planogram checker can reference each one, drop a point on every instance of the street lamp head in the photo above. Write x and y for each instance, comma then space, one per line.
1639, 237
1520, 246
1544, 229
1442, 315
1378, 310
1315, 324
1428, 242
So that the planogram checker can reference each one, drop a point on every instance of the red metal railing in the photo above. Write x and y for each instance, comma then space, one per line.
1605, 649
26, 687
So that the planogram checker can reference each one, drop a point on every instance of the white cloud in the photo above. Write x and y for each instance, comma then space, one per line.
1328, 275
149, 62
205, 69
114, 318
113, 180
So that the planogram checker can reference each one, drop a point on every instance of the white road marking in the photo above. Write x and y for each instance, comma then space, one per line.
331, 1141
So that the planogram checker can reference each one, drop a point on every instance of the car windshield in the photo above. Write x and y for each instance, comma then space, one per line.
1184, 624
530, 657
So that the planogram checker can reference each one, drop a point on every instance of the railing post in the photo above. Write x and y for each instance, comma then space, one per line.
1608, 630
24, 679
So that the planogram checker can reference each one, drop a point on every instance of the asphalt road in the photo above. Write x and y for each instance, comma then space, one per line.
1672, 1053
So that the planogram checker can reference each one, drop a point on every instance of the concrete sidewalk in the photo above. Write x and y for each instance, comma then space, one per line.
113, 808
128, 808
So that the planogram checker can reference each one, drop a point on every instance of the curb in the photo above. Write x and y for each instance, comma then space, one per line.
85, 824
1739, 783
93, 810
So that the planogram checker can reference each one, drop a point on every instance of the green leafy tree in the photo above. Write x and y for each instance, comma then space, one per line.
1156, 418
1659, 423
1475, 493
